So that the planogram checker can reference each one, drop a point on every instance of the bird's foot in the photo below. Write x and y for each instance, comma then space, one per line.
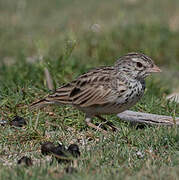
107, 124
98, 128
103, 126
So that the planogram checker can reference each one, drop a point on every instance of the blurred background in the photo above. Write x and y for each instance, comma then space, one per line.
82, 34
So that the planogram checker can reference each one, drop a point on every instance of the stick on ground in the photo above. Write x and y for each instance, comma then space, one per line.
147, 118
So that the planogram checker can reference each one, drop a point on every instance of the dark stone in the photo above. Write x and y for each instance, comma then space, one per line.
18, 121
47, 148
60, 150
25, 160
62, 154
70, 170
73, 149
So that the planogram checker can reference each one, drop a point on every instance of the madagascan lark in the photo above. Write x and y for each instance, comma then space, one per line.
105, 90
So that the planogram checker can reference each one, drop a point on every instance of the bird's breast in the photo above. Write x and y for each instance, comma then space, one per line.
134, 92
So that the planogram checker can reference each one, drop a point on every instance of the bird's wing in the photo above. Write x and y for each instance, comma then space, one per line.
93, 95
92, 88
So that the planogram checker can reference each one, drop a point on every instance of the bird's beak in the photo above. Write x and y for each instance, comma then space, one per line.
155, 69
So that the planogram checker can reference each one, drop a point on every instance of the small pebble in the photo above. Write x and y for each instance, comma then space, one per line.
18, 121
25, 160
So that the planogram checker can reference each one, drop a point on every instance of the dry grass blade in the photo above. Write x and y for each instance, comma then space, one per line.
48, 79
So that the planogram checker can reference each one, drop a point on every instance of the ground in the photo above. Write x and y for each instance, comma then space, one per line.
69, 38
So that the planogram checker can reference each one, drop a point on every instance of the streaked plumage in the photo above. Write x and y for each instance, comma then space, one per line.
105, 90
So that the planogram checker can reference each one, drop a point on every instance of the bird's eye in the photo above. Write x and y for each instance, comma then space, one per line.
139, 65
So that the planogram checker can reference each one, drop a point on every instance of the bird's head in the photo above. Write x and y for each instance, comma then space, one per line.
136, 65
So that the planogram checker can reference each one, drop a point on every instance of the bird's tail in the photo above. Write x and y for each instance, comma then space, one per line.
60, 97
40, 104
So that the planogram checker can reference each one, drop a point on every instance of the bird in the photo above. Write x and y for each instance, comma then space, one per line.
106, 89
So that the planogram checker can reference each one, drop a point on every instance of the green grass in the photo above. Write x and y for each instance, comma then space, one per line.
60, 32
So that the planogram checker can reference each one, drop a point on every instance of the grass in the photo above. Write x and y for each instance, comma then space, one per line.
151, 152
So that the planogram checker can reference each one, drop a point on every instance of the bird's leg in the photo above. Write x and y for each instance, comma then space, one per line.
110, 124
88, 122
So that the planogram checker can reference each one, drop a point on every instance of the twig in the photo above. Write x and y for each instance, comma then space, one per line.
147, 118
48, 79
37, 120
